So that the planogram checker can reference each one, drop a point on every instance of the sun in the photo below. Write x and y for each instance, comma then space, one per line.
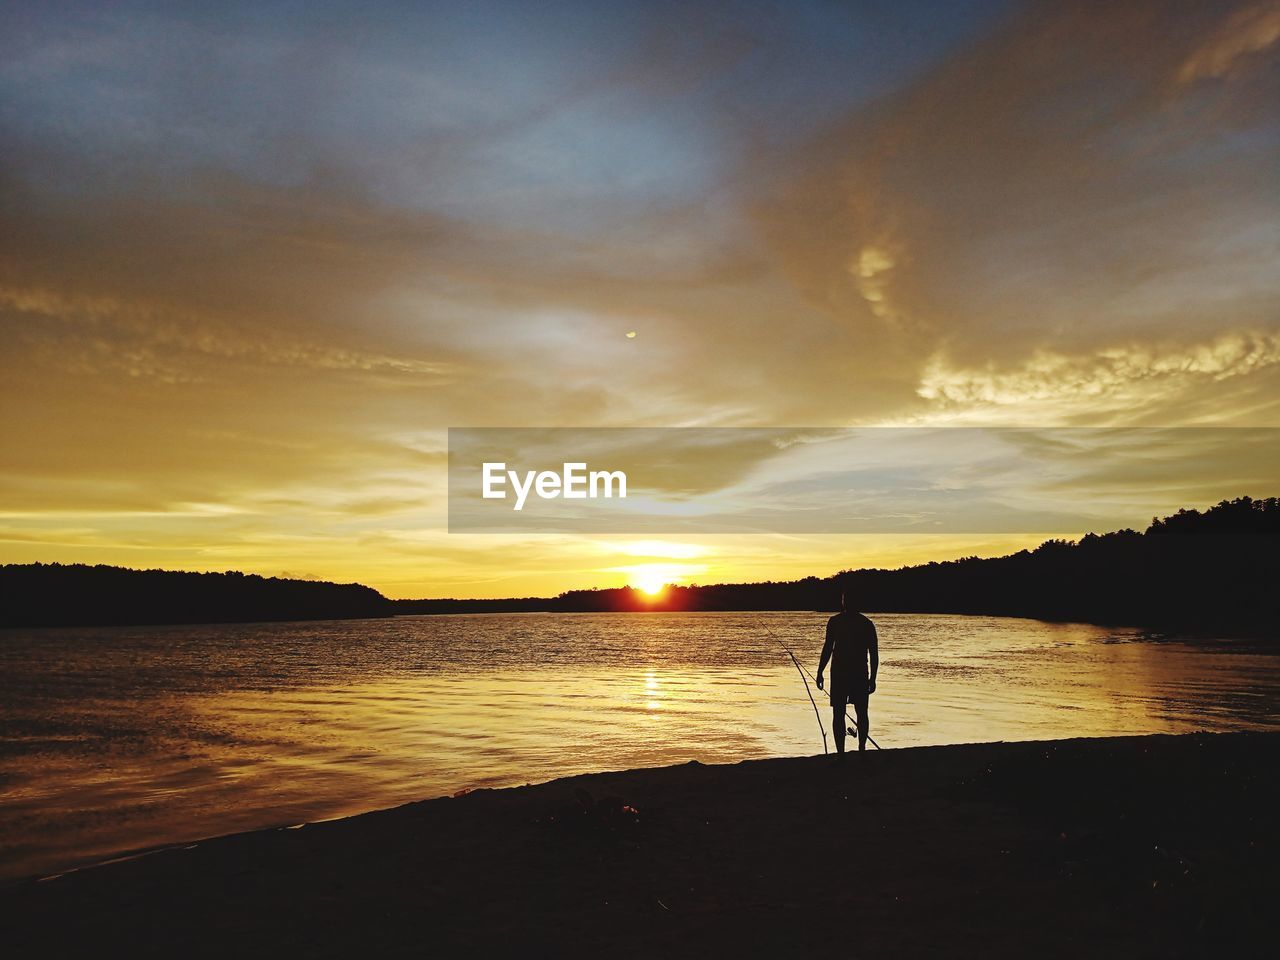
653, 580
652, 585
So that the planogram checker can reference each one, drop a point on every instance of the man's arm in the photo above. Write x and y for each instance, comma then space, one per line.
826, 653
873, 649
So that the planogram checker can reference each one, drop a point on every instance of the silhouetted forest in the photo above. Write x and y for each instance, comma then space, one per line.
51, 594
1210, 570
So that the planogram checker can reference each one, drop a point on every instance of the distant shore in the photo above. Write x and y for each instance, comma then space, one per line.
1210, 572
1133, 846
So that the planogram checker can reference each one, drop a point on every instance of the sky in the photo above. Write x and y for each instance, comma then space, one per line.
256, 259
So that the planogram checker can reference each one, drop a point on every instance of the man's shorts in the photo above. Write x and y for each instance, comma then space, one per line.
855, 693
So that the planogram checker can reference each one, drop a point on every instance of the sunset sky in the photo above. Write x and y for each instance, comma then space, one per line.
255, 259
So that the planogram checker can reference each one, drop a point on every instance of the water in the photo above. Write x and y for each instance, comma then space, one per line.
115, 739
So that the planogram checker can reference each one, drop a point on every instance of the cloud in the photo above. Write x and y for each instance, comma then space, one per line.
143, 340
873, 269
1249, 30
1042, 215
1130, 378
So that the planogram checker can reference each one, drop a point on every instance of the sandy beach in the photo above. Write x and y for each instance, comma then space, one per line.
1133, 846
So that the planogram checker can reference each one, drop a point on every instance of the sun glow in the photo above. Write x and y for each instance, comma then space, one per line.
652, 584
654, 578
662, 548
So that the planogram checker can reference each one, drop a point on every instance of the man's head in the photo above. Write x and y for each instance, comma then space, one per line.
846, 599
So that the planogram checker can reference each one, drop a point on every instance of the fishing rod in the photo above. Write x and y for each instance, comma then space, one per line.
853, 724
813, 702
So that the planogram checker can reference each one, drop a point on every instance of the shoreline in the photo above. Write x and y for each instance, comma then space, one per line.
1127, 845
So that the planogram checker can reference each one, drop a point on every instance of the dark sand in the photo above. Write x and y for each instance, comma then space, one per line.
1127, 847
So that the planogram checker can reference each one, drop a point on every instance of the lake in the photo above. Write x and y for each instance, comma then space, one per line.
116, 739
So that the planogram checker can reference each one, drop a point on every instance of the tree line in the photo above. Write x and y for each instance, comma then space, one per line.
1211, 570
75, 595
1195, 570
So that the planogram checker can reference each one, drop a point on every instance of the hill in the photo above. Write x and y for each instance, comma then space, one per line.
74, 595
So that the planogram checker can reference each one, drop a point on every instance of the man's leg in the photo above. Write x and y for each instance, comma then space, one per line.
864, 722
837, 725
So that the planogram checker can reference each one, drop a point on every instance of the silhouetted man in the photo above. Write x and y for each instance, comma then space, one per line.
851, 645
